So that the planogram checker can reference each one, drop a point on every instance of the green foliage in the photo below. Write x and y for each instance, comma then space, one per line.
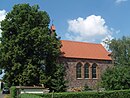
23, 44
0, 71
6, 85
29, 96
57, 81
116, 78
28, 51
86, 88
108, 94
120, 51
13, 92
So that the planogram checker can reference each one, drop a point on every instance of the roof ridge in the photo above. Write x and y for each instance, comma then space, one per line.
82, 42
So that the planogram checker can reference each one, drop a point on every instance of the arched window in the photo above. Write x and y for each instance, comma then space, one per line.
78, 70
94, 70
86, 70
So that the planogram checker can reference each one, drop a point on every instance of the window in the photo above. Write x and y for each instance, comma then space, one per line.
78, 70
86, 70
94, 71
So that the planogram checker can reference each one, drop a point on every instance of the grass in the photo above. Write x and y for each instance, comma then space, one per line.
7, 96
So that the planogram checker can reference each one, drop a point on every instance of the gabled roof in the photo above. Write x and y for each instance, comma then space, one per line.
73, 49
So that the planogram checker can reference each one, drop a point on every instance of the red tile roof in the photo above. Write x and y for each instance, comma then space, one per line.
73, 49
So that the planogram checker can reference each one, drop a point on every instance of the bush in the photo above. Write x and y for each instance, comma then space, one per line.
106, 94
30, 96
86, 88
116, 78
13, 92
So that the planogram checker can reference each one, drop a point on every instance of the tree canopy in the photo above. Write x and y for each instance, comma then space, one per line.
118, 77
120, 51
28, 51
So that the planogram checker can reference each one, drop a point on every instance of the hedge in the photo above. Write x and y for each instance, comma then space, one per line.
29, 96
106, 94
13, 92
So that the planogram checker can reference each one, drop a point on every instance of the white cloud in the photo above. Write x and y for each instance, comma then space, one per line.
120, 1
91, 29
2, 14
2, 17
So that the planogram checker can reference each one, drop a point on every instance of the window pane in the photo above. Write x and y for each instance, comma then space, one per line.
78, 70
94, 72
86, 71
93, 75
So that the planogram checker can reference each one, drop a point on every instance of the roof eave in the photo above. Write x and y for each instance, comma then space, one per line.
104, 59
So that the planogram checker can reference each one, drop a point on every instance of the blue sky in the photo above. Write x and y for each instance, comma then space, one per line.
82, 20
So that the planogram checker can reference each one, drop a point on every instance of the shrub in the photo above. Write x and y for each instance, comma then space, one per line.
30, 96
86, 88
13, 92
106, 94
116, 78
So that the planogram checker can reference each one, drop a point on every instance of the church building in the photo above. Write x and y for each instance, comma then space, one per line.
84, 63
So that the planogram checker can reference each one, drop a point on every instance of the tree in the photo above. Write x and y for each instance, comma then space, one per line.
0, 71
116, 78
28, 51
57, 81
120, 51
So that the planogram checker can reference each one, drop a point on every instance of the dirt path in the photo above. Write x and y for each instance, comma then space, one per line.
1, 95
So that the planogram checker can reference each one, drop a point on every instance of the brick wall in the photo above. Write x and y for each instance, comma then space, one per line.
70, 65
